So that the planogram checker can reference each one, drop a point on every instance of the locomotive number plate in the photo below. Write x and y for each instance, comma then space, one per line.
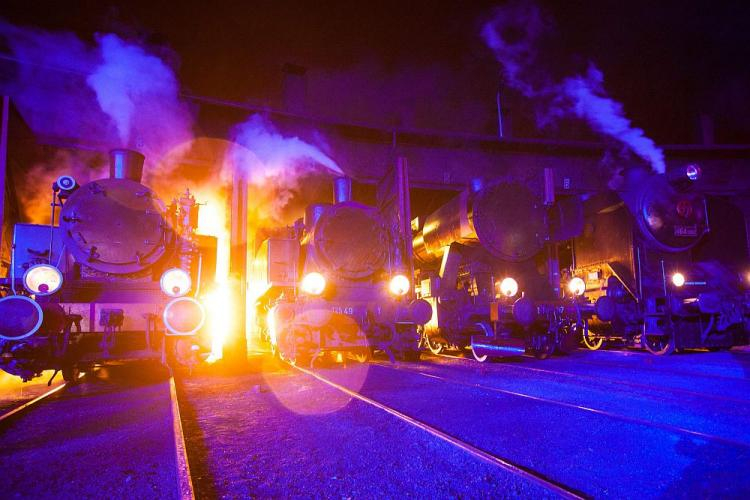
348, 311
686, 231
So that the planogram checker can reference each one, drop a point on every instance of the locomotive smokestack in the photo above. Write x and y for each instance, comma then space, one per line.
342, 190
126, 164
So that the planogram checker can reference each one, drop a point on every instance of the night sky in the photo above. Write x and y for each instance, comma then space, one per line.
424, 65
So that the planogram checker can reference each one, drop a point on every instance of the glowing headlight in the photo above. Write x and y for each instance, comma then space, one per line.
399, 285
313, 283
678, 279
508, 287
42, 279
175, 282
577, 286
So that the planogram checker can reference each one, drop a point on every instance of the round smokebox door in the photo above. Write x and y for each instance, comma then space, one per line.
351, 241
115, 226
509, 221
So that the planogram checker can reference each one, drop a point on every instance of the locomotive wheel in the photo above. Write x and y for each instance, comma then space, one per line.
592, 341
70, 374
569, 340
544, 346
479, 358
434, 346
361, 356
660, 345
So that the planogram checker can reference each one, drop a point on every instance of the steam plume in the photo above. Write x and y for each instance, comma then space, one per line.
514, 34
275, 165
139, 92
112, 92
106, 94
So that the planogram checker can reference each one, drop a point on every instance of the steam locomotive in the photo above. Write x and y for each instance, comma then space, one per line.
643, 268
117, 249
477, 253
338, 283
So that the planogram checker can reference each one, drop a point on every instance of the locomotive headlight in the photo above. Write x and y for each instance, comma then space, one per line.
313, 283
678, 279
399, 285
508, 287
175, 282
42, 279
577, 286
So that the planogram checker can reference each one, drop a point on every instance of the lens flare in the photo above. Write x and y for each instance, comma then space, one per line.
577, 286
678, 279
313, 283
508, 287
399, 285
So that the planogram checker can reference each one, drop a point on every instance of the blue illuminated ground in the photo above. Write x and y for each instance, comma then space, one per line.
620, 424
601, 424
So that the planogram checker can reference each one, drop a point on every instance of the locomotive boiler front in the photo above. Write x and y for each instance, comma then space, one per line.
505, 219
636, 257
349, 239
669, 216
117, 225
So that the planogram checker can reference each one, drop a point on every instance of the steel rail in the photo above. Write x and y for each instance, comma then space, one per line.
603, 380
185, 490
596, 411
25, 406
503, 463
667, 371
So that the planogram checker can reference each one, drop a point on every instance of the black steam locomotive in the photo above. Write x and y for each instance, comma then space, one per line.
487, 263
338, 283
117, 249
652, 284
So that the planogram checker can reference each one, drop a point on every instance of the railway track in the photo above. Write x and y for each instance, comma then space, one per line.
605, 413
501, 462
185, 489
26, 406
104, 418
600, 379
664, 371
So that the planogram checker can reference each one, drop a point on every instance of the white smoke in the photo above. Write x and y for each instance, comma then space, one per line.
140, 93
276, 166
111, 92
514, 34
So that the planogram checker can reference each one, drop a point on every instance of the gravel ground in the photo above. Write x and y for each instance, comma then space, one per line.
109, 437
283, 434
